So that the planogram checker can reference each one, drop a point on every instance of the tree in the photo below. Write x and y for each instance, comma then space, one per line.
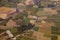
19, 16
26, 20
3, 22
23, 28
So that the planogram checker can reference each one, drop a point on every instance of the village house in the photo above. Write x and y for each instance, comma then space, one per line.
29, 2
32, 21
42, 17
11, 24
33, 17
6, 12
21, 7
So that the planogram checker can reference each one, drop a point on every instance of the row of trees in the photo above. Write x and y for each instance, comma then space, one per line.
9, 3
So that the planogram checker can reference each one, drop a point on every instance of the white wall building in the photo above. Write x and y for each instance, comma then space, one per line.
29, 2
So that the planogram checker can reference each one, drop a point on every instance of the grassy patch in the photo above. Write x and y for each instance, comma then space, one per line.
27, 36
53, 37
27, 20
1, 30
35, 28
14, 31
47, 35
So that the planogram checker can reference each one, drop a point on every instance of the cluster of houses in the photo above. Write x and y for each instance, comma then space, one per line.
6, 12
49, 9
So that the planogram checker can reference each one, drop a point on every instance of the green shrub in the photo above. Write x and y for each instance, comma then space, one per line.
36, 28
53, 37
14, 31
27, 20
47, 35
1, 30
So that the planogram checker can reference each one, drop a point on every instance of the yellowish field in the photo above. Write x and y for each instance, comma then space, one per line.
4, 9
